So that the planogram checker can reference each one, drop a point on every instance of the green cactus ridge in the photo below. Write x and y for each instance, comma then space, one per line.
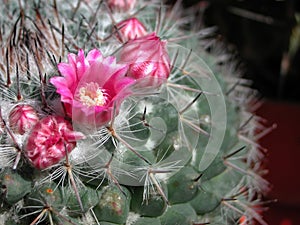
183, 152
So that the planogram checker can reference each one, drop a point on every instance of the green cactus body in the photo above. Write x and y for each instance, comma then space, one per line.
89, 197
121, 116
14, 187
179, 214
113, 205
147, 220
154, 206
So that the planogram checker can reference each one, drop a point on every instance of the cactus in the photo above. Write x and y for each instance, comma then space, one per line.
121, 112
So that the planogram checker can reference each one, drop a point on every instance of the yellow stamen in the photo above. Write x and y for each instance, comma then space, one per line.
92, 95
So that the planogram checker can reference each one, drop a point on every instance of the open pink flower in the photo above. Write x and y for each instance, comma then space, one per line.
130, 29
91, 86
147, 58
49, 140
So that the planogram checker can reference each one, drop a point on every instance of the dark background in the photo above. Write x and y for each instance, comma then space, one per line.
261, 44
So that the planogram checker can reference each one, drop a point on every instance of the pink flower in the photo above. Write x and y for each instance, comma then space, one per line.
22, 118
130, 29
49, 140
147, 58
121, 5
91, 86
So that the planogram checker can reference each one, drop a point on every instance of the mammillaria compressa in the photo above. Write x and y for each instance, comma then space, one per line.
112, 112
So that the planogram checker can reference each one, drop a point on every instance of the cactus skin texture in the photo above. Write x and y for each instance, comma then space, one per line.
179, 145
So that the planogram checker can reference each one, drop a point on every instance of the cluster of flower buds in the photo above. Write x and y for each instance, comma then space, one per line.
92, 88
48, 139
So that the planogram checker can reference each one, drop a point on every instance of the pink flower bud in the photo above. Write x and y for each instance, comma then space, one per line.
147, 58
49, 140
130, 29
121, 5
22, 118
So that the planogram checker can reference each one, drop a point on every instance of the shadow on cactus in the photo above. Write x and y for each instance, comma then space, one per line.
111, 113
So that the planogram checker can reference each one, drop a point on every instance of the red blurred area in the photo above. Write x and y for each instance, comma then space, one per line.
283, 161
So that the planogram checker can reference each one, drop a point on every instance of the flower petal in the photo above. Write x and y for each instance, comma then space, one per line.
89, 87
49, 140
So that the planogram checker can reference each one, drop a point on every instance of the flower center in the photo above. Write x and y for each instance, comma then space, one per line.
92, 95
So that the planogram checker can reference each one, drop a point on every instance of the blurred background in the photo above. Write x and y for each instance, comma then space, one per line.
265, 37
